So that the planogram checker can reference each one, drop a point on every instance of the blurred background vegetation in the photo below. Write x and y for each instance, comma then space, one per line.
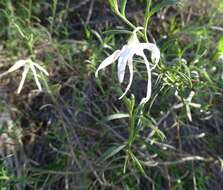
70, 135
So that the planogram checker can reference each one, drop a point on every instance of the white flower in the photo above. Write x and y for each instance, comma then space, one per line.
125, 57
187, 102
27, 64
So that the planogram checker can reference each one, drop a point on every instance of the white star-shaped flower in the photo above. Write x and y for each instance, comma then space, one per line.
125, 58
187, 102
27, 64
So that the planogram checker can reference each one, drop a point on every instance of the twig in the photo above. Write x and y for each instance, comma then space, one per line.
79, 5
176, 162
90, 12
218, 28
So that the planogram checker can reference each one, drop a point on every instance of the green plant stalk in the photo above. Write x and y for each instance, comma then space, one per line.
146, 19
123, 6
125, 20
53, 15
30, 11
131, 127
29, 44
131, 130
114, 5
28, 39
132, 124
133, 118
130, 140
19, 30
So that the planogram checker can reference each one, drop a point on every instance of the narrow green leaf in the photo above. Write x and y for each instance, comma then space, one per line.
155, 129
114, 5
147, 17
132, 102
116, 116
161, 5
137, 163
123, 6
125, 164
111, 152
117, 31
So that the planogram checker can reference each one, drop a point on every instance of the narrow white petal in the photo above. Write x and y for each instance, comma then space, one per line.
149, 83
176, 94
192, 93
108, 61
188, 113
177, 106
24, 74
3, 74
130, 66
155, 52
41, 68
35, 76
195, 105
17, 65
122, 62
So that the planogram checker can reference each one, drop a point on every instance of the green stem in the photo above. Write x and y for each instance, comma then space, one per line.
123, 6
53, 15
130, 140
147, 18
131, 130
30, 11
124, 19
